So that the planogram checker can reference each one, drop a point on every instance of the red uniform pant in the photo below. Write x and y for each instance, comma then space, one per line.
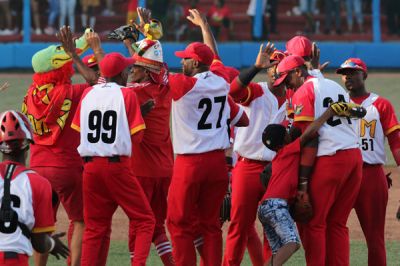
371, 211
156, 190
198, 186
334, 187
106, 185
13, 260
247, 191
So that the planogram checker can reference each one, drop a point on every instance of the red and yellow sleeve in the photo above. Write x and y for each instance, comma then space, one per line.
303, 103
387, 116
179, 85
245, 95
42, 204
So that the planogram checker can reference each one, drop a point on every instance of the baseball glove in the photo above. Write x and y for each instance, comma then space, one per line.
301, 210
225, 212
389, 180
348, 109
265, 175
124, 32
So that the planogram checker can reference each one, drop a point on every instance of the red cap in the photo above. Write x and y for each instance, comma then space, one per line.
15, 131
90, 60
286, 65
277, 55
113, 64
197, 51
352, 63
299, 45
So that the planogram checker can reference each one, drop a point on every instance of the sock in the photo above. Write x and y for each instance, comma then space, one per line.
84, 20
164, 250
92, 21
198, 244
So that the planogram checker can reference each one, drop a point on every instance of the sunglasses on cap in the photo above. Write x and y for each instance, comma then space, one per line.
92, 60
351, 64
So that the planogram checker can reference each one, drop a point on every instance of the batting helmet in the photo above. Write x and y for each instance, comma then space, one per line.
15, 132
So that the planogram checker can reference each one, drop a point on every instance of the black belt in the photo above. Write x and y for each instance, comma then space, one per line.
10, 255
113, 159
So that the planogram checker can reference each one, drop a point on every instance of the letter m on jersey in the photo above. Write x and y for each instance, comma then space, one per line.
371, 125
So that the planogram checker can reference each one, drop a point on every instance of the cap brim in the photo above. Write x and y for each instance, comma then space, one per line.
280, 79
181, 54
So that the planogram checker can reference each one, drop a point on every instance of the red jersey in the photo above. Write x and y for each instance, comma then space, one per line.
64, 152
153, 157
285, 173
216, 15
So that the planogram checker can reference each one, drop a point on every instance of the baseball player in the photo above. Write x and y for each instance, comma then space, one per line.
200, 114
380, 122
336, 178
264, 104
154, 161
273, 211
109, 120
26, 218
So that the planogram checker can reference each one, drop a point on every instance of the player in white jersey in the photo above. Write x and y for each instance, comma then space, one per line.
26, 218
200, 124
379, 122
337, 173
109, 120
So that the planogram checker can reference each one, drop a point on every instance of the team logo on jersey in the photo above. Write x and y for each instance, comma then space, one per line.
371, 125
298, 109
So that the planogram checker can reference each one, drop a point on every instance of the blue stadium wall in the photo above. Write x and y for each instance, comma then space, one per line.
236, 54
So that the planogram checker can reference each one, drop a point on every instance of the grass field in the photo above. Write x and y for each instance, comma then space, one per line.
385, 84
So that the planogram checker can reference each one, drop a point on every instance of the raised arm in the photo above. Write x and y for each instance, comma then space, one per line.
67, 42
200, 20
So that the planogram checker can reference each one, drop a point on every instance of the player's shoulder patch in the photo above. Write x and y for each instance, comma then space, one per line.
298, 108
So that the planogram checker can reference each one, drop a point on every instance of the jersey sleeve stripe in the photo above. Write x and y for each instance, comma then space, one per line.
77, 128
237, 117
248, 96
48, 229
138, 128
390, 130
304, 118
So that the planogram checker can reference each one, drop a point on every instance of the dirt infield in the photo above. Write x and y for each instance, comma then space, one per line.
120, 222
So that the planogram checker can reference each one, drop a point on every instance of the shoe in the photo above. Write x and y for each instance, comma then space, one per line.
38, 31
49, 30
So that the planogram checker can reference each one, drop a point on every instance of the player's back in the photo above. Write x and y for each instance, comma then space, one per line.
31, 200
200, 116
104, 123
311, 100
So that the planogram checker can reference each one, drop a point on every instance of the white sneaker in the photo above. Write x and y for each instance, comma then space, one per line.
49, 30
38, 31
1, 32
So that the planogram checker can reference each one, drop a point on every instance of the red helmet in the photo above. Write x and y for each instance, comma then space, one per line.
15, 131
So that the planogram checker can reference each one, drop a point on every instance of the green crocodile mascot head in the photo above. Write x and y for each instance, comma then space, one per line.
54, 57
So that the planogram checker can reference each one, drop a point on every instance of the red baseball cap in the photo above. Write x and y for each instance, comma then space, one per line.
197, 51
299, 45
113, 64
90, 60
286, 65
352, 63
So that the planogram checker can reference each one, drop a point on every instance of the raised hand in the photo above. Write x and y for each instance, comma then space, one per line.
315, 56
196, 18
5, 86
263, 56
93, 39
59, 248
66, 39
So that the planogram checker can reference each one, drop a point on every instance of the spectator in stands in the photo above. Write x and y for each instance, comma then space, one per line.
176, 22
36, 17
251, 11
158, 9
332, 12
67, 7
192, 31
307, 8
54, 9
393, 16
109, 8
89, 9
219, 17
272, 10
16, 11
6, 15
132, 14
354, 7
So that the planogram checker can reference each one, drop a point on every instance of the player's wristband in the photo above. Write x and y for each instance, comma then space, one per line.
248, 74
52, 244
